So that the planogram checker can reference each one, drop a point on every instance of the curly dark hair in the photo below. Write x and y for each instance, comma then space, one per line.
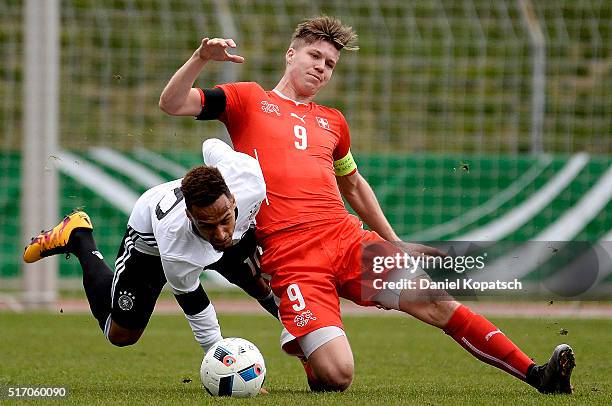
202, 186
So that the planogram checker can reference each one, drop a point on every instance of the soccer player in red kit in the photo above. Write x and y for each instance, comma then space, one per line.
312, 245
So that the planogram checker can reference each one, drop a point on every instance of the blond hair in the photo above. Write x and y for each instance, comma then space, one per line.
324, 28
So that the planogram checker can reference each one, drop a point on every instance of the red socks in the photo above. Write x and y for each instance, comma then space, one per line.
486, 342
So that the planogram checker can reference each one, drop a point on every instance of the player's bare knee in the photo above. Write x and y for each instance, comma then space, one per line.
336, 377
122, 340
338, 383
344, 377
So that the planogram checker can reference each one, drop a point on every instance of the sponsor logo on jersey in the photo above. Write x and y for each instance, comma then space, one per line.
323, 123
126, 300
268, 107
301, 118
302, 319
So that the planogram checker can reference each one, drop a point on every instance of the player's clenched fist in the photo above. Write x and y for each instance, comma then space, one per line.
215, 49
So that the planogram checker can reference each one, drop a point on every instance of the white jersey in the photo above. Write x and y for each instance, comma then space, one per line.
164, 230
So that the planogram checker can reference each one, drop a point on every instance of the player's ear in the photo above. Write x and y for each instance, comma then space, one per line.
289, 55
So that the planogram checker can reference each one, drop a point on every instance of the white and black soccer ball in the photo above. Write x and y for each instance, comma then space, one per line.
233, 367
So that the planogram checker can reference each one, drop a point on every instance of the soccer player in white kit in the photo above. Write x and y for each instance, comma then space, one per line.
175, 232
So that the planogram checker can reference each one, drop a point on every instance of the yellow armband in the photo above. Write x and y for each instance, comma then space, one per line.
346, 165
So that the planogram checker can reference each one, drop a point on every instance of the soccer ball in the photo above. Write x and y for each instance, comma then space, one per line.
233, 367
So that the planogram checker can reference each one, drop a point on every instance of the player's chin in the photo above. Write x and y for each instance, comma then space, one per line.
310, 88
221, 246
315, 87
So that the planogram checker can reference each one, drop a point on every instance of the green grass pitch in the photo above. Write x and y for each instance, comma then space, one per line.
398, 361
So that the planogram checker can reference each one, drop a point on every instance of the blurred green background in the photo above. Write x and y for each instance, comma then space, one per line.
439, 100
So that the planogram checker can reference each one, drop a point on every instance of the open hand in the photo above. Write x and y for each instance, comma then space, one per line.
215, 49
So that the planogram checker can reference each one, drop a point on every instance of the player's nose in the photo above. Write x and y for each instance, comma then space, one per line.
319, 64
218, 233
221, 234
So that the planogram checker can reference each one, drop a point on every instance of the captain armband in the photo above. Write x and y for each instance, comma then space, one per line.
346, 165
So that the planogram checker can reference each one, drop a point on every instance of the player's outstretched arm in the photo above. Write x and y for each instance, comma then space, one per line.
201, 315
179, 98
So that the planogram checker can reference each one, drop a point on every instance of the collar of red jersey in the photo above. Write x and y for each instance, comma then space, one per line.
282, 96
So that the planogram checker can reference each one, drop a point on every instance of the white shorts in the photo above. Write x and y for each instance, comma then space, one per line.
304, 346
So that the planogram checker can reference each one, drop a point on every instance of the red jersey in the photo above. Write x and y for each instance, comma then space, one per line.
300, 148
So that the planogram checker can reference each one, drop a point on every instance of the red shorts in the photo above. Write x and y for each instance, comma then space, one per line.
312, 267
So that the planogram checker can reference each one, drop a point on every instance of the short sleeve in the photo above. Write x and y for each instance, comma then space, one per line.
236, 99
344, 143
182, 277
214, 151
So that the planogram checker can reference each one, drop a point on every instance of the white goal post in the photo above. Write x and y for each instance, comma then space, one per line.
39, 200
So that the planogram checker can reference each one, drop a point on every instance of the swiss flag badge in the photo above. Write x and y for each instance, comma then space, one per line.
323, 123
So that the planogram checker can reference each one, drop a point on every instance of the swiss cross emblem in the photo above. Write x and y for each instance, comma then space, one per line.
323, 123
